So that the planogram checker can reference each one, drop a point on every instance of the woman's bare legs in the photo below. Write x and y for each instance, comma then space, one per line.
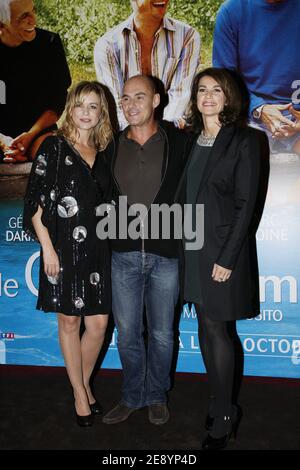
80, 355
68, 332
91, 344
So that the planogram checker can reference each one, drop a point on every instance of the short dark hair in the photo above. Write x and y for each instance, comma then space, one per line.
234, 110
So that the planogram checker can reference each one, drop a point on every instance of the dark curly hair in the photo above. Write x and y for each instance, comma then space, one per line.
236, 108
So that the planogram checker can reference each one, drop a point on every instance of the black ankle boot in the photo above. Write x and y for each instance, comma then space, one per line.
209, 421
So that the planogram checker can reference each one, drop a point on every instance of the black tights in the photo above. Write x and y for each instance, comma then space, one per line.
217, 350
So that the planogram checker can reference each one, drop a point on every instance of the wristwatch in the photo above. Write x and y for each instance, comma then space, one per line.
257, 112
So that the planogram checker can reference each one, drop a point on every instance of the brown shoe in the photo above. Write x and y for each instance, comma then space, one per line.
158, 413
118, 414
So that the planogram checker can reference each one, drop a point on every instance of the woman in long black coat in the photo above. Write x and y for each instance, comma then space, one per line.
222, 173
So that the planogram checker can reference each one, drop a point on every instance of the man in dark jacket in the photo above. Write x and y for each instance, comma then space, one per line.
146, 160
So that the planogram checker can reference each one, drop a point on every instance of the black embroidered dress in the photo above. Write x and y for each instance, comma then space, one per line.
62, 183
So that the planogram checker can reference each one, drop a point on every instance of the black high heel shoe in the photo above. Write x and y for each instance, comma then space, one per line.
84, 421
231, 423
96, 408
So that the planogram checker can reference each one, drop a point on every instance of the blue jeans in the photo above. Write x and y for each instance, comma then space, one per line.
144, 279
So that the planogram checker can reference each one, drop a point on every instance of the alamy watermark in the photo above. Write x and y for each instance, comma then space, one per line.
296, 93
167, 222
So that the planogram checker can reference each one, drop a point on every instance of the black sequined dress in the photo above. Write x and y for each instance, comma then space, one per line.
62, 183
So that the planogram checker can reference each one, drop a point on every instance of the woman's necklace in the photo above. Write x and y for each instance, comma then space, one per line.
206, 141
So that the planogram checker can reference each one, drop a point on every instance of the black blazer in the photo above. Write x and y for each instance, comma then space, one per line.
229, 191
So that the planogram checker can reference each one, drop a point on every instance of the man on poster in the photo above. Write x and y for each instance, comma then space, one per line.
36, 76
259, 39
150, 43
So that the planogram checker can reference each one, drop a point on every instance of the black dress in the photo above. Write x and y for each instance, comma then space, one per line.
195, 171
62, 183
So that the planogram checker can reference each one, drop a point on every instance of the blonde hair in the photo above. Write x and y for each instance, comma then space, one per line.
102, 134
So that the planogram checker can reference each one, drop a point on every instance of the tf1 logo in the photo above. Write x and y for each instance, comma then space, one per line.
7, 335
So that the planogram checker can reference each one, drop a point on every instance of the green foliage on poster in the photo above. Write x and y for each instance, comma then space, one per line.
81, 22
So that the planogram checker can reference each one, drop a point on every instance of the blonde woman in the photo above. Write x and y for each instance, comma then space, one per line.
60, 213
